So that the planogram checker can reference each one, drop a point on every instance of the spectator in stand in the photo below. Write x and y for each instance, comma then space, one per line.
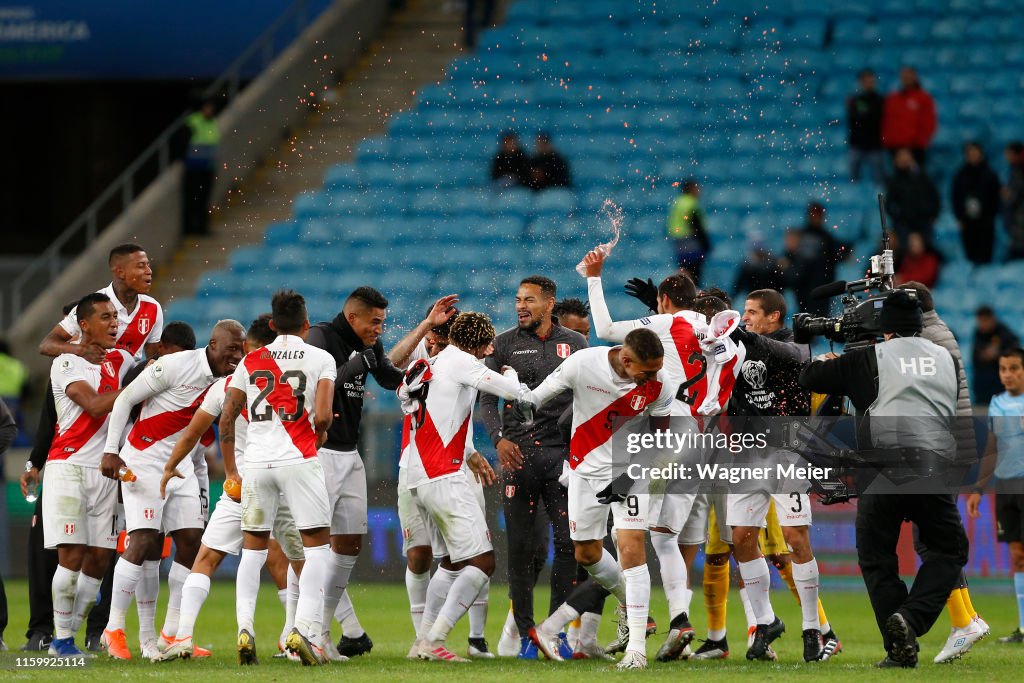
484, 8
909, 118
510, 166
911, 199
976, 204
200, 168
686, 227
812, 254
760, 270
548, 168
864, 117
14, 389
1013, 199
920, 262
991, 338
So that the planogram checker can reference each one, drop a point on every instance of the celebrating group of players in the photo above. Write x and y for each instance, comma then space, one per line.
136, 403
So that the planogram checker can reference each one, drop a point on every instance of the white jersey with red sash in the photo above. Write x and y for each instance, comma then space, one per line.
602, 403
78, 436
280, 381
439, 446
136, 328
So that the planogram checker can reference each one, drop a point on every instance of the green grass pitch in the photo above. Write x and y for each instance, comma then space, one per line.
383, 610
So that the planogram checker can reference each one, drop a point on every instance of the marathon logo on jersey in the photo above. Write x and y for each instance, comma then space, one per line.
69, 529
562, 350
144, 325
637, 402
510, 491
148, 513
572, 525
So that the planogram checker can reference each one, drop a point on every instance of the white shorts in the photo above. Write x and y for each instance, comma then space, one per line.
588, 519
299, 485
224, 532
695, 531
79, 507
346, 490
670, 510
458, 527
750, 509
417, 530
203, 479
143, 506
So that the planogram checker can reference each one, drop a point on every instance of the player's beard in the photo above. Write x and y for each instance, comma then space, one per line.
530, 325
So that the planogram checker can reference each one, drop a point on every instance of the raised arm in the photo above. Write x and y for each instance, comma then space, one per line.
562, 379
95, 405
604, 326
58, 341
443, 310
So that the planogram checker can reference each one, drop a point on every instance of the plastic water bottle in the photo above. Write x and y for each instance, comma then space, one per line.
32, 491
233, 489
126, 475
605, 249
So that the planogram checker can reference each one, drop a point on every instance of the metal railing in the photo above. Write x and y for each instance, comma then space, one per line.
155, 159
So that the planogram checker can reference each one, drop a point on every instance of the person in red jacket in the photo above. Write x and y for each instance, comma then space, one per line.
921, 263
908, 119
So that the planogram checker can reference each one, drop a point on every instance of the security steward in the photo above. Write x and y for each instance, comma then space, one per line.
912, 379
532, 455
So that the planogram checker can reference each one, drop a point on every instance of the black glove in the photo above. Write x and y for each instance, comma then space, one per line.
646, 292
363, 362
522, 411
740, 334
617, 491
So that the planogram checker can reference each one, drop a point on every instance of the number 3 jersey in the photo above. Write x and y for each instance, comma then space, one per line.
280, 381
600, 401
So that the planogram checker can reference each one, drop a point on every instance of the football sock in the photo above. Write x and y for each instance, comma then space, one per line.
958, 614
464, 590
478, 612
416, 587
309, 612
247, 587
716, 597
126, 578
638, 605
86, 593
673, 572
193, 594
756, 579
806, 577
65, 585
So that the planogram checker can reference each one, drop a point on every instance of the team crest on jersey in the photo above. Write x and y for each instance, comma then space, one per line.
562, 350
637, 402
572, 525
108, 368
69, 529
144, 324
148, 513
754, 371
510, 491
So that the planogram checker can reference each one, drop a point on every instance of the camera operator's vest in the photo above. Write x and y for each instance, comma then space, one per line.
917, 391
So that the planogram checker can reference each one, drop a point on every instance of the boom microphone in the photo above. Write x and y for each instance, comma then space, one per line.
830, 290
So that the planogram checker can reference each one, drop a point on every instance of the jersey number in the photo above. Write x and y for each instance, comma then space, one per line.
632, 506
298, 392
798, 503
609, 420
688, 398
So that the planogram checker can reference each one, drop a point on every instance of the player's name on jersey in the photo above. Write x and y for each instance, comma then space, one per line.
733, 474
286, 355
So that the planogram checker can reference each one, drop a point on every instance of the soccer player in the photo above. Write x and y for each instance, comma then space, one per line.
170, 391
353, 338
573, 314
140, 319
417, 530
286, 387
223, 535
610, 386
702, 386
1004, 460
85, 531
441, 489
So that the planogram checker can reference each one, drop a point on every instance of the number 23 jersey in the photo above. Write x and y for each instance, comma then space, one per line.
279, 381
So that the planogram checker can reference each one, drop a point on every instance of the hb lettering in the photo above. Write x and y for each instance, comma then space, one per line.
917, 366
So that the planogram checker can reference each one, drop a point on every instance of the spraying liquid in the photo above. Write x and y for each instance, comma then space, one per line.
615, 216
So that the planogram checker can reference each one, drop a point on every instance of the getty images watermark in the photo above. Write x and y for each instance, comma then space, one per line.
686, 455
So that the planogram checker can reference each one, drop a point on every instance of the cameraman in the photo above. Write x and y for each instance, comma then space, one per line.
903, 376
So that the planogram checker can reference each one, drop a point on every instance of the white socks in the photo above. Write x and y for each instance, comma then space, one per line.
346, 616
462, 595
416, 587
555, 623
193, 594
748, 611
340, 571
175, 581
805, 576
589, 623
247, 587
439, 587
146, 593
673, 572
606, 572
756, 579
126, 579
291, 602
65, 587
638, 605
87, 591
309, 613
478, 612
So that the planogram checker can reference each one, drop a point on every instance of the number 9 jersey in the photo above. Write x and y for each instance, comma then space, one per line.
279, 381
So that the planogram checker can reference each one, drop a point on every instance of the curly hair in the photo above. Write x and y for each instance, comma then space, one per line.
471, 330
571, 307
